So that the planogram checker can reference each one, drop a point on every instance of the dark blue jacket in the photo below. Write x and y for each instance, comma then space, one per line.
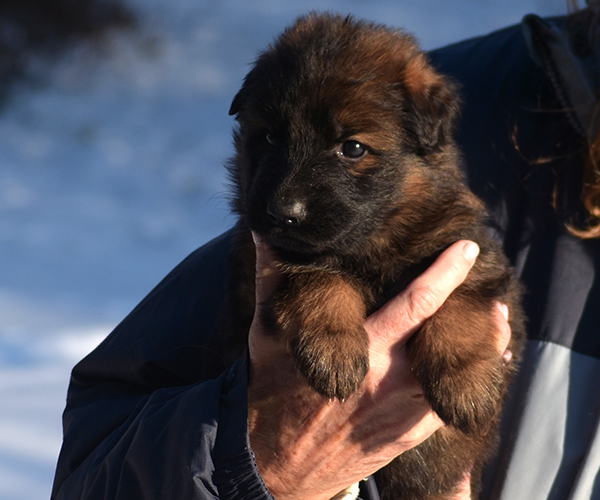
154, 412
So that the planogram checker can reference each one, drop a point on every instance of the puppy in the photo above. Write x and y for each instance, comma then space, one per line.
346, 166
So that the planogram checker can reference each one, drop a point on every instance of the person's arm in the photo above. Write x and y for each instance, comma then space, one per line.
178, 443
309, 448
129, 440
154, 412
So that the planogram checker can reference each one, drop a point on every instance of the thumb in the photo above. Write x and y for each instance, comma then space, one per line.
263, 348
267, 272
405, 313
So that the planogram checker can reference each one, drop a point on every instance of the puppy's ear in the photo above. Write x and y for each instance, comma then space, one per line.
237, 103
250, 87
433, 105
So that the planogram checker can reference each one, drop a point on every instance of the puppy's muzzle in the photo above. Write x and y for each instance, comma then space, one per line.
286, 213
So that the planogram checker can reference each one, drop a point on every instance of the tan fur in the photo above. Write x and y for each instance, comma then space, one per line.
352, 230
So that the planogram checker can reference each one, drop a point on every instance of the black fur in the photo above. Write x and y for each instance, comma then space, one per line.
346, 166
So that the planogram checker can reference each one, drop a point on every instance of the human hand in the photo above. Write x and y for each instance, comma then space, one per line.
309, 448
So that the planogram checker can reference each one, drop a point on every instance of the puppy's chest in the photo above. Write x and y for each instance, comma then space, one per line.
380, 283
384, 292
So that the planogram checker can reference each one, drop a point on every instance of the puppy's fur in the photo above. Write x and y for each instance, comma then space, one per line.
346, 165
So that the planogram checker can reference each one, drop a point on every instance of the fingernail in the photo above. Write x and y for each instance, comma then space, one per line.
471, 250
504, 310
507, 356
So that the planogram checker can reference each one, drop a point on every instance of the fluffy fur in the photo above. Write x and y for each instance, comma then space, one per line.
345, 164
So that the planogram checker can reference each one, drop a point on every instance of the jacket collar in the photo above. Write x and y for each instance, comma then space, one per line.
572, 73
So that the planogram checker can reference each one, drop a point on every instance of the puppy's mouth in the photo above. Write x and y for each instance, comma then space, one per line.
294, 241
319, 238
306, 237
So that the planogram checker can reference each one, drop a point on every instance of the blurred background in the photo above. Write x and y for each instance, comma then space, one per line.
113, 134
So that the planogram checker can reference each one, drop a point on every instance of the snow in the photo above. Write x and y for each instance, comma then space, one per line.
111, 164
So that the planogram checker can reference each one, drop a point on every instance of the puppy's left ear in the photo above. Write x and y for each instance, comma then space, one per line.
237, 103
433, 105
249, 87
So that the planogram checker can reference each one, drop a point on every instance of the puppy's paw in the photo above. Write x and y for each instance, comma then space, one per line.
468, 399
334, 364
455, 359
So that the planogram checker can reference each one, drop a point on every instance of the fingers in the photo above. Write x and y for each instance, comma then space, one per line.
501, 317
404, 314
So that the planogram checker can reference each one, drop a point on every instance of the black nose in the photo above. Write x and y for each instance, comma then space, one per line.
288, 213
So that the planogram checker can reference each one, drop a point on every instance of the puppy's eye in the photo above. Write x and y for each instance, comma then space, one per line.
353, 149
271, 140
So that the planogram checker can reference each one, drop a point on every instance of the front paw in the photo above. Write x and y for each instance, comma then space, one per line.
467, 398
333, 364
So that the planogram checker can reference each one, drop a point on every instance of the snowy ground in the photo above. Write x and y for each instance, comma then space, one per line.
111, 172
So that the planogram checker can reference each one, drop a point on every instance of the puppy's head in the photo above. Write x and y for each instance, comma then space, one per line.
336, 120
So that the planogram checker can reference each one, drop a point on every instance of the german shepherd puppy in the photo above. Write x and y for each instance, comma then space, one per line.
346, 166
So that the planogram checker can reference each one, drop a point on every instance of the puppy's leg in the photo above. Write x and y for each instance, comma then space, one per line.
457, 363
322, 316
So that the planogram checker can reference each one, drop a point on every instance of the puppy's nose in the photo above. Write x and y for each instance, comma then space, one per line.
288, 213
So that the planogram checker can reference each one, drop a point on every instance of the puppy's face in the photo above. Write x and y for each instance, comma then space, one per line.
337, 122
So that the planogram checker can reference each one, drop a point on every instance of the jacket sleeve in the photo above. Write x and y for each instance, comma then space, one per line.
154, 412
